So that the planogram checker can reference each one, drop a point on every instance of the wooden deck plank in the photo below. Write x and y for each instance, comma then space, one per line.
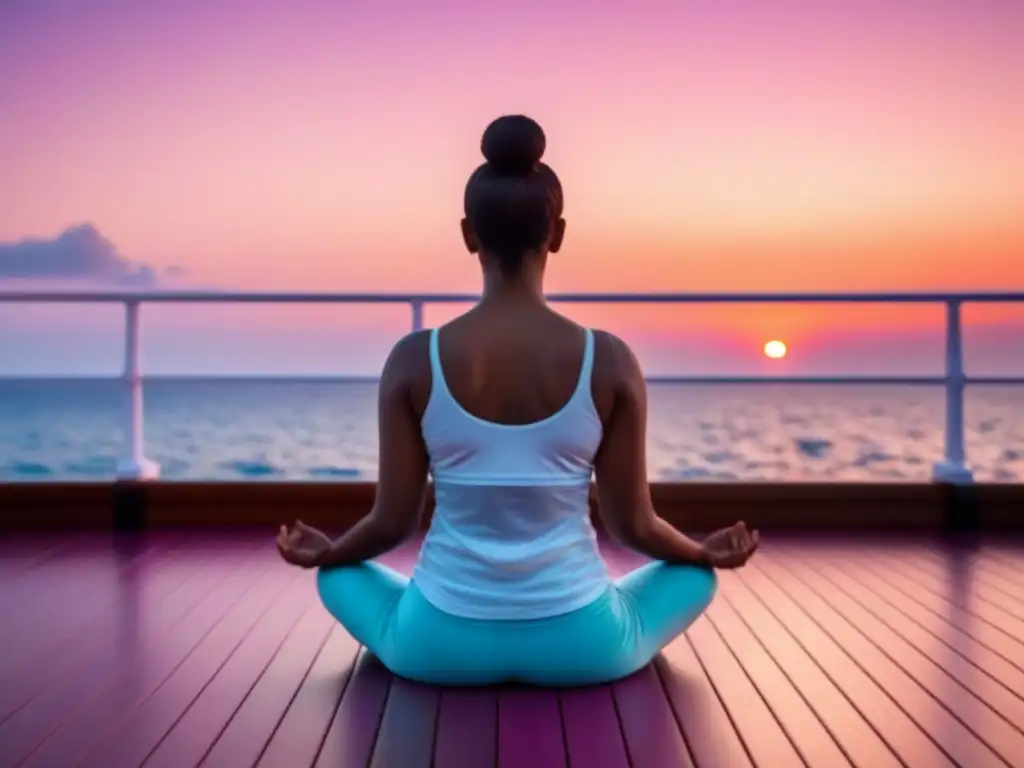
1003, 691
57, 663
990, 607
146, 698
593, 733
30, 545
904, 737
467, 728
983, 581
147, 634
297, 739
649, 727
947, 603
66, 583
944, 727
243, 741
22, 554
911, 618
530, 729
29, 673
709, 732
27, 557
232, 662
808, 734
1009, 554
961, 561
768, 744
864, 746
983, 568
353, 731
64, 632
407, 727
136, 728
965, 704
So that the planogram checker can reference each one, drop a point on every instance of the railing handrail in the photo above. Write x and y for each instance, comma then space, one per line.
598, 297
952, 469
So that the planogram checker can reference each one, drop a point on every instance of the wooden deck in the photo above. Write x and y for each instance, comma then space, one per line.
199, 648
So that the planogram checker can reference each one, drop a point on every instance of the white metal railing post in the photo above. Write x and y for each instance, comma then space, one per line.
135, 465
953, 469
417, 314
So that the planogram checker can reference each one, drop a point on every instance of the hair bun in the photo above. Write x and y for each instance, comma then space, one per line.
513, 144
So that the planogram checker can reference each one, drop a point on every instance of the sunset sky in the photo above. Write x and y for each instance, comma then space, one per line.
730, 145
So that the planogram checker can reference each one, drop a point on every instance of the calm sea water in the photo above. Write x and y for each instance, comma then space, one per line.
269, 430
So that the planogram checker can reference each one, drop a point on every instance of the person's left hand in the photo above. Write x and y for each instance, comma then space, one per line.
731, 547
304, 545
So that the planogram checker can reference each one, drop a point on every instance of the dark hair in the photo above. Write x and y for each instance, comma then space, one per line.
513, 200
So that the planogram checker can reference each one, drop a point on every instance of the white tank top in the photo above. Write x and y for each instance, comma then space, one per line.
511, 536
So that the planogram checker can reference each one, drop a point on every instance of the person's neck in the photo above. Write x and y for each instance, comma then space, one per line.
526, 286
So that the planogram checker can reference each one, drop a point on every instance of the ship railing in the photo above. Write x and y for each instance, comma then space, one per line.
952, 469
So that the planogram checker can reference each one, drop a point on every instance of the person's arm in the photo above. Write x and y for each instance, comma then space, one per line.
402, 479
624, 496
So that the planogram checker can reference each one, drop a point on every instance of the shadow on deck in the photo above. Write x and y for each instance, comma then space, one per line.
178, 649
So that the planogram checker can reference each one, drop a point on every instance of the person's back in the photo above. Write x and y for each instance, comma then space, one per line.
512, 409
511, 429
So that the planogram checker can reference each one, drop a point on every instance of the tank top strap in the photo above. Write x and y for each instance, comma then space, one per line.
587, 367
437, 383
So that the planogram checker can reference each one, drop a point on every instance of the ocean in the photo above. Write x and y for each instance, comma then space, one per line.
259, 429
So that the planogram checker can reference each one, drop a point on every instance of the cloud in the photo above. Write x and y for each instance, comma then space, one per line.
80, 252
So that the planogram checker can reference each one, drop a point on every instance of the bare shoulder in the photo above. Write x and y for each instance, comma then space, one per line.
617, 373
410, 352
614, 360
407, 370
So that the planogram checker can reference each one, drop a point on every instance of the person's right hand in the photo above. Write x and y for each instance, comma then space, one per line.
730, 547
304, 545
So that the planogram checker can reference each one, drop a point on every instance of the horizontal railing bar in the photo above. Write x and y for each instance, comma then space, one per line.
994, 380
329, 379
238, 297
857, 380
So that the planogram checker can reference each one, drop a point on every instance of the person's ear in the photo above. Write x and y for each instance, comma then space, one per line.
557, 234
469, 237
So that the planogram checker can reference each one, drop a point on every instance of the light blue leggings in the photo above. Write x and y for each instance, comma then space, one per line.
612, 637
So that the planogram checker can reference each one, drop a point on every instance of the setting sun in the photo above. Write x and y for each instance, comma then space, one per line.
775, 349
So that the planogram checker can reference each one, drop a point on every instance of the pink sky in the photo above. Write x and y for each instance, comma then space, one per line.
736, 145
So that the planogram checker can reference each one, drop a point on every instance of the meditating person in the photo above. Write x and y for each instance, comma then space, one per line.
512, 408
